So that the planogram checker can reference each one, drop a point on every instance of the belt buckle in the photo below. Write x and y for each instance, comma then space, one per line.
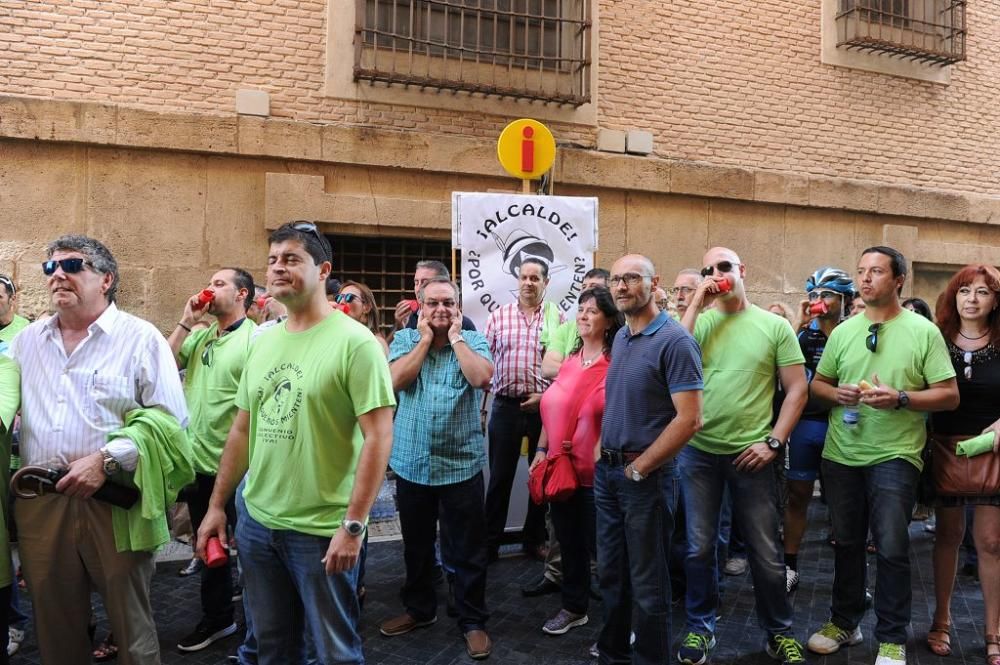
30, 482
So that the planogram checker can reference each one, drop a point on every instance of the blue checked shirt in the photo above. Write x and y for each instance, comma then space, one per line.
437, 439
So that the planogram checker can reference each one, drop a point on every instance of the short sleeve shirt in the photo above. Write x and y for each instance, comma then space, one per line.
304, 392
646, 369
9, 331
564, 338
214, 366
741, 353
437, 438
910, 355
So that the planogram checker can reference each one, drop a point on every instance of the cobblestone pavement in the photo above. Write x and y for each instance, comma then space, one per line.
516, 621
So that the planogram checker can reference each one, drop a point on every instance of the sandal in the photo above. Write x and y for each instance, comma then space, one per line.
106, 650
939, 639
992, 641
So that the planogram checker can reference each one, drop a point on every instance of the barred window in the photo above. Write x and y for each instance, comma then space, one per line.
527, 49
931, 31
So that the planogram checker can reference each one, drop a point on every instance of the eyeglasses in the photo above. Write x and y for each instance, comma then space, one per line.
630, 279
682, 290
824, 294
206, 355
967, 359
308, 227
346, 297
721, 266
431, 304
69, 266
872, 340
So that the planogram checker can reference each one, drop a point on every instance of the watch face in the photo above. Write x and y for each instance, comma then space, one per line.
636, 476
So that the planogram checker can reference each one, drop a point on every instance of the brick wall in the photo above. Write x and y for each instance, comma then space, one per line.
737, 84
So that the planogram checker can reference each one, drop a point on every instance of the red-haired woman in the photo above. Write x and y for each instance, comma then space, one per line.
970, 322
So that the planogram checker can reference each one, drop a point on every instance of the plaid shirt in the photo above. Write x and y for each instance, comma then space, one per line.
515, 342
437, 438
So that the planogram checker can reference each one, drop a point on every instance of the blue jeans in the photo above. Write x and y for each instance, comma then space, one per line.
634, 523
704, 477
289, 593
879, 497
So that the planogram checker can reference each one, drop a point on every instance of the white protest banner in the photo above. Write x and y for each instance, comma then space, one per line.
496, 232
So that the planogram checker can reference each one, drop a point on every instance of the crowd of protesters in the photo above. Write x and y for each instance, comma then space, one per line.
678, 417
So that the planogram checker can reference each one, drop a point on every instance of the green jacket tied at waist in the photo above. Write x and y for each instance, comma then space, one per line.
164, 468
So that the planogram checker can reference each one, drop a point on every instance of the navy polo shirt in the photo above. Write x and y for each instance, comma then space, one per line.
646, 369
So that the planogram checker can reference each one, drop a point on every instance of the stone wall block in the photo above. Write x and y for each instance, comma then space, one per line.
235, 234
39, 190
984, 209
914, 202
180, 132
781, 188
671, 230
26, 118
279, 138
754, 231
708, 180
843, 193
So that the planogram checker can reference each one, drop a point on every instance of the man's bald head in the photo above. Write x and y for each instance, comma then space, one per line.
721, 254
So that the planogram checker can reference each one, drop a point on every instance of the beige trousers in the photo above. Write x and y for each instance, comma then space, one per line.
67, 549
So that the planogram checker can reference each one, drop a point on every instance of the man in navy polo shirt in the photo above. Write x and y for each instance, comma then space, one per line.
653, 406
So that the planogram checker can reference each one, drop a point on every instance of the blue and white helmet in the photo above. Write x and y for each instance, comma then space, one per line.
833, 279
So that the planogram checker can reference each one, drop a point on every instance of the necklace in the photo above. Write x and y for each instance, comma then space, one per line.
973, 338
587, 363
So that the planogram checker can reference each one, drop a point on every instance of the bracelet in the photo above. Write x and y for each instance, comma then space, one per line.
541, 450
183, 326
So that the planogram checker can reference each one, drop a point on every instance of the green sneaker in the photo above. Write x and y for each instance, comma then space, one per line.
786, 649
830, 637
891, 654
694, 649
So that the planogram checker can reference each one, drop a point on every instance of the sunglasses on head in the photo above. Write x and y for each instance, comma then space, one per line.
307, 227
347, 298
69, 266
872, 340
721, 266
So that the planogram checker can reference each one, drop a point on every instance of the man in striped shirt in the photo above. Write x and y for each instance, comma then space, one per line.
515, 333
81, 371
438, 370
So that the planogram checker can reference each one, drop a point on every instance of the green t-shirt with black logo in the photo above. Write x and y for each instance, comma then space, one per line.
910, 355
213, 366
305, 391
740, 356
10, 401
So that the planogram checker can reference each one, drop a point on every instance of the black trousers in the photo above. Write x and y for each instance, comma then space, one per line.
508, 426
459, 509
216, 583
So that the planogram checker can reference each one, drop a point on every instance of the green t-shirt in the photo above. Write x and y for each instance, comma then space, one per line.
563, 339
740, 356
8, 332
911, 354
10, 401
210, 389
304, 392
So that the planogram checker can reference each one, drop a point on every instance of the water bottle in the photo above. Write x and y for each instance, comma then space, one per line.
850, 417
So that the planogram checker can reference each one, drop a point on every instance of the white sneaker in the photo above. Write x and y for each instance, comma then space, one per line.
14, 639
735, 566
791, 579
830, 637
891, 654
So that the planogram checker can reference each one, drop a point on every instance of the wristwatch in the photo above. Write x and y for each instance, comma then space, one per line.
903, 400
633, 474
773, 443
111, 465
353, 527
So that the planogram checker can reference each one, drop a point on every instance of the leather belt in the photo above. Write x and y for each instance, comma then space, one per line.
619, 457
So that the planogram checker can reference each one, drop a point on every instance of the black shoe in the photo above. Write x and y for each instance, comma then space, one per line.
237, 594
204, 635
540, 588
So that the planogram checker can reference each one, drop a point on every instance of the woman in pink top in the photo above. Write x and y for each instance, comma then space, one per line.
572, 408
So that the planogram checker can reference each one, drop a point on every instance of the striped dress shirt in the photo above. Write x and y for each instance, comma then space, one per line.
70, 404
517, 350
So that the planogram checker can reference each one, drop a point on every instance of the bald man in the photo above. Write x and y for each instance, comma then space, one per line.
742, 347
652, 408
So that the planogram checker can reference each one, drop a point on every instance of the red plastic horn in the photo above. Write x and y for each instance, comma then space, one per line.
205, 297
215, 553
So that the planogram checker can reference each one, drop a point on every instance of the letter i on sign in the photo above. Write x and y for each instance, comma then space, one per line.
527, 150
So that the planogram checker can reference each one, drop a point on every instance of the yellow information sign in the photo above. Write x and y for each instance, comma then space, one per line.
526, 149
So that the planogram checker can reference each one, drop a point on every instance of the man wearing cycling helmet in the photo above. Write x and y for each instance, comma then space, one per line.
829, 294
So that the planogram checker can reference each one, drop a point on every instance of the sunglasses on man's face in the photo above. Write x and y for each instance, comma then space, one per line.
872, 340
824, 294
69, 266
347, 298
721, 266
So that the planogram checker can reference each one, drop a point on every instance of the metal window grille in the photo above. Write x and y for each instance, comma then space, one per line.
386, 266
525, 49
931, 31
